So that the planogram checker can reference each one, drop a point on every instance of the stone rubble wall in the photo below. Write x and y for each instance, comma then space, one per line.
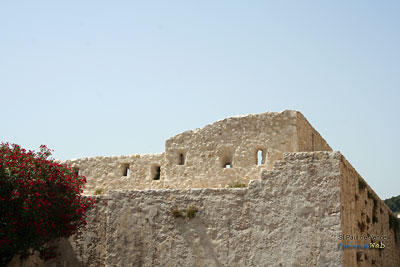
234, 140
106, 173
198, 158
279, 220
365, 214
292, 216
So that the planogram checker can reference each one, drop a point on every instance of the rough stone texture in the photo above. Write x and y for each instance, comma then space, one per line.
197, 158
292, 212
277, 220
105, 173
365, 214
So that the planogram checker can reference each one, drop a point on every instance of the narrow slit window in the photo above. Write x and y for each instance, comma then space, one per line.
260, 157
312, 141
156, 172
181, 159
126, 170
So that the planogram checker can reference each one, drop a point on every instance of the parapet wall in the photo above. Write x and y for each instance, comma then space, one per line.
106, 173
228, 152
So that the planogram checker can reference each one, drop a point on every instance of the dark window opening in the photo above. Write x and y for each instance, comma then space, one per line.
312, 141
126, 170
156, 172
227, 159
181, 159
260, 157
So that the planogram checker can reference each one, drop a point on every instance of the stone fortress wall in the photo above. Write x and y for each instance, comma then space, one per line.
231, 151
364, 214
299, 196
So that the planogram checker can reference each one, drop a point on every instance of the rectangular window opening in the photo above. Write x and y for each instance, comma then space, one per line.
181, 159
260, 157
156, 171
227, 158
126, 170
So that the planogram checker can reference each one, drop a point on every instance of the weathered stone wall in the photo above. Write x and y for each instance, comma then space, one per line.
279, 220
108, 173
292, 216
365, 215
292, 213
234, 141
198, 158
105, 173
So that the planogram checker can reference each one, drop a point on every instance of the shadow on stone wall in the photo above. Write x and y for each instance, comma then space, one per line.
67, 258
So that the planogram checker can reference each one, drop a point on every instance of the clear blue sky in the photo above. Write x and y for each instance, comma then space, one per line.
91, 78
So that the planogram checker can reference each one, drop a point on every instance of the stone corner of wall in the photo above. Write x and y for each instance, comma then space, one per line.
304, 126
290, 112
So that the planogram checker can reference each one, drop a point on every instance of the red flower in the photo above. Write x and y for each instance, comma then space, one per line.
39, 196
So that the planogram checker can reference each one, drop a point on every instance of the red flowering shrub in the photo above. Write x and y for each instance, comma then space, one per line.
40, 202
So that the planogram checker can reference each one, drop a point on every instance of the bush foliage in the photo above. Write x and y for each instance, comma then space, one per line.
393, 203
40, 202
